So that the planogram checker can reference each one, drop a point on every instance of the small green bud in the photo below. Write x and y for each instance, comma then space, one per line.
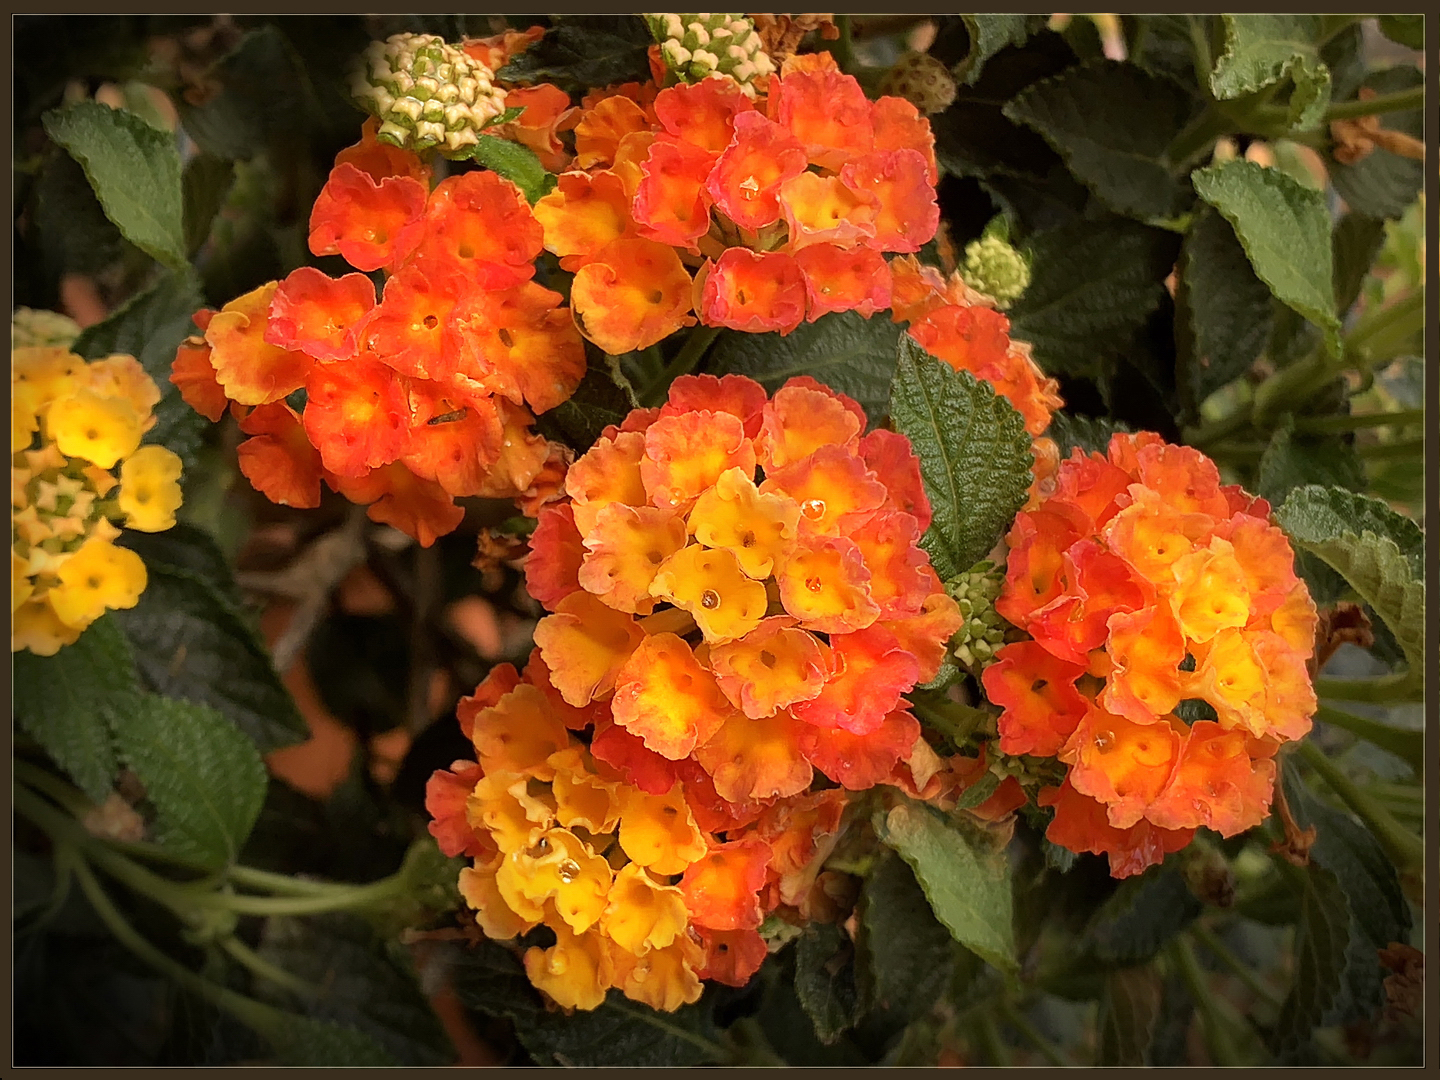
921, 80
425, 93
709, 44
983, 630
992, 266
32, 327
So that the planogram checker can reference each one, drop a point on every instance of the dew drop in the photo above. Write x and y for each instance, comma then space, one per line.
558, 964
709, 599
750, 187
641, 972
1104, 740
814, 584
568, 870
814, 509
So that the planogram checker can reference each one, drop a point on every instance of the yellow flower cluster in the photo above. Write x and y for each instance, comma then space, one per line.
71, 423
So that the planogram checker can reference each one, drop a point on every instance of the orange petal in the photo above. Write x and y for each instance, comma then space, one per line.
824, 584
633, 294
319, 315
357, 414
625, 550
756, 293
248, 369
685, 454
370, 224
278, 459
770, 668
584, 644
665, 696
756, 759
870, 670
721, 889
553, 567
858, 762
1037, 691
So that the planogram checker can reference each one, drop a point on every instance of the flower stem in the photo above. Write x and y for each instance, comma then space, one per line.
1408, 745
1405, 848
1399, 101
264, 969
685, 360
1382, 690
1338, 425
1021, 1023
1207, 937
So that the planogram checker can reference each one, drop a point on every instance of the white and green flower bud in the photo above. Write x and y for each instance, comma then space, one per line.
921, 80
994, 267
425, 92
30, 326
983, 630
710, 44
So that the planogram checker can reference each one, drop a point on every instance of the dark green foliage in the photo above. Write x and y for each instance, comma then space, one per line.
1143, 914
578, 53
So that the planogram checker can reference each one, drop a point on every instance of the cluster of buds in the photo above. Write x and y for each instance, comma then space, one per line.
994, 267
982, 630
425, 93
700, 46
71, 424
416, 400
921, 80
754, 216
649, 888
1143, 584
32, 326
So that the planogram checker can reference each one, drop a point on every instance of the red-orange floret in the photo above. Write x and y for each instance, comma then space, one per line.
906, 211
731, 956
756, 293
455, 437
889, 455
702, 113
828, 113
859, 762
396, 496
1216, 784
480, 224
250, 370
869, 672
319, 315
371, 224
193, 374
1080, 824
741, 397
633, 294
520, 343
746, 180
1037, 691
357, 414
721, 890
556, 550
841, 279
278, 459
671, 203
412, 329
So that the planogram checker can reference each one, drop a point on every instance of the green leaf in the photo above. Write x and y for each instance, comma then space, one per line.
134, 169
1407, 30
204, 776
905, 952
65, 703
515, 163
206, 182
1093, 284
299, 1040
1111, 122
975, 456
825, 980
988, 35
1129, 1012
1322, 943
965, 876
72, 231
843, 350
192, 639
1382, 184
150, 326
597, 402
1285, 230
1141, 915
587, 52
1088, 433
1357, 240
1228, 311
1379, 552
367, 980
491, 979
1292, 461
1261, 50
978, 792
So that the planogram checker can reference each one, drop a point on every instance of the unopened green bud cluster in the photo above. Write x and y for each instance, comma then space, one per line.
34, 327
994, 267
921, 80
983, 629
425, 92
698, 46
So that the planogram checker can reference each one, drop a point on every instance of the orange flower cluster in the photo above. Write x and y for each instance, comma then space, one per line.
416, 398
783, 207
648, 888
1145, 583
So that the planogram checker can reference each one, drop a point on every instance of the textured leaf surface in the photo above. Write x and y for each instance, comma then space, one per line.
1322, 941
1263, 49
134, 169
1088, 433
845, 351
1292, 461
577, 56
1357, 240
1129, 1012
988, 35
150, 326
1285, 230
1093, 284
1229, 313
965, 878
66, 702
492, 980
1111, 122
1407, 30
907, 952
1379, 552
825, 980
1141, 915
193, 640
975, 456
515, 163
204, 776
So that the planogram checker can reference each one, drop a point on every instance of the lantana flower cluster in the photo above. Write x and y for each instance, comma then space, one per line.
718, 641
71, 424
413, 398
1144, 584
696, 201
650, 889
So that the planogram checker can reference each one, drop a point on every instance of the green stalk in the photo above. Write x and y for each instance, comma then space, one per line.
1021, 1023
991, 1045
1399, 101
1207, 937
1407, 745
1398, 450
1339, 425
1217, 1038
1405, 849
685, 360
1381, 690
257, 965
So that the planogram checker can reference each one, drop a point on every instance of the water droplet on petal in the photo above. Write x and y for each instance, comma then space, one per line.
568, 870
814, 584
1104, 740
709, 599
558, 964
814, 509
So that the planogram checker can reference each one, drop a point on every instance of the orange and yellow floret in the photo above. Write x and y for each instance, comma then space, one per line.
71, 423
721, 638
1145, 583
697, 201
413, 398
